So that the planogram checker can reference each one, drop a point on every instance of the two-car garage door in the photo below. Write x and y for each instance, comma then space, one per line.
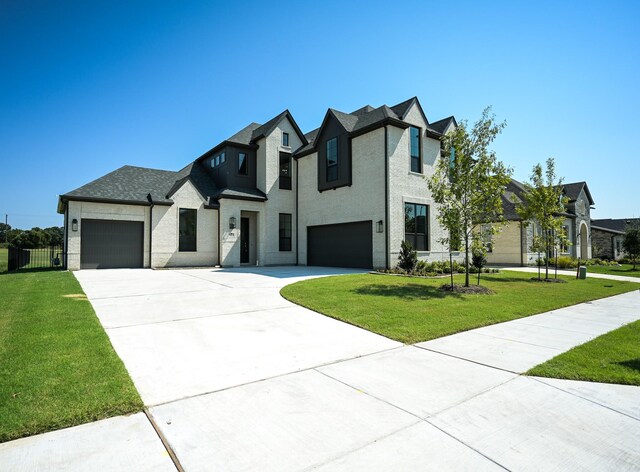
106, 244
341, 245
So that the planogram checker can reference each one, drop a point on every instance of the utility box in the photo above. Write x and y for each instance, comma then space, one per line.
582, 272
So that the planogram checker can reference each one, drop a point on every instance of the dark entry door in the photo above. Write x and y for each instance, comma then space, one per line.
244, 240
341, 245
111, 244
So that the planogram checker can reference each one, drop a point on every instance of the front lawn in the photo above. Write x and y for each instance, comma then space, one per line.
622, 269
412, 310
57, 366
611, 358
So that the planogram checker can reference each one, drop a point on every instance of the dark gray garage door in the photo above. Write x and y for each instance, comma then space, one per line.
107, 244
341, 245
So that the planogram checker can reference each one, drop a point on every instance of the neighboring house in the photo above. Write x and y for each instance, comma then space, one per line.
607, 236
345, 194
513, 244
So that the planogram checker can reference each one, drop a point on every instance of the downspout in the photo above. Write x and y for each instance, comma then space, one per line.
219, 239
297, 224
150, 200
386, 197
66, 235
523, 239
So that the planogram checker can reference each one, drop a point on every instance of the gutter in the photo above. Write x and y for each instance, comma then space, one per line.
297, 220
150, 200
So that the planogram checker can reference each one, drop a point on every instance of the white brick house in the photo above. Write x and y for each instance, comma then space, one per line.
345, 194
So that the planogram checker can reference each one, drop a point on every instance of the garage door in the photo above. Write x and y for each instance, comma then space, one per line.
107, 244
341, 245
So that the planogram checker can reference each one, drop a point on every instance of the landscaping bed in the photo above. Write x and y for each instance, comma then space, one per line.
57, 366
613, 357
412, 310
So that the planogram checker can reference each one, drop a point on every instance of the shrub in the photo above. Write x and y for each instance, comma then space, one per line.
566, 262
408, 258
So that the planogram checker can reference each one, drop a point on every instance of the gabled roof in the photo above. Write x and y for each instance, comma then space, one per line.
128, 184
269, 126
367, 118
572, 191
441, 126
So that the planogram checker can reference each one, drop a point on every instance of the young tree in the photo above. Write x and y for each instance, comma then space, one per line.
631, 244
468, 186
479, 259
543, 203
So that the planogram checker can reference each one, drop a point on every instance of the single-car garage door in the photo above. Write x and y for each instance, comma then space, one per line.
341, 245
108, 244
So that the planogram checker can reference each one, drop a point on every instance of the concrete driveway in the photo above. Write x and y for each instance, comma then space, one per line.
238, 379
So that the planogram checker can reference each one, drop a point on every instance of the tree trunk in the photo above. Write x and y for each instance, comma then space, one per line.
546, 265
466, 260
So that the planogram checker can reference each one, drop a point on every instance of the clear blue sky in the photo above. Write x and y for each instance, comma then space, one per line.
89, 86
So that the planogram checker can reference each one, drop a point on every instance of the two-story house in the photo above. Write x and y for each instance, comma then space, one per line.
345, 194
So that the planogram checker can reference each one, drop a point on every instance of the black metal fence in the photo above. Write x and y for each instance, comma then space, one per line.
51, 257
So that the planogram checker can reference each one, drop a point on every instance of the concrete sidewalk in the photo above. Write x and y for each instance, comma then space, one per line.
572, 273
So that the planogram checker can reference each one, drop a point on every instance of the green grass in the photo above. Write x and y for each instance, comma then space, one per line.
611, 358
4, 261
57, 366
622, 269
411, 310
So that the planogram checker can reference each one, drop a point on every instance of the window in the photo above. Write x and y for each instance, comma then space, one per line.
416, 161
285, 232
285, 139
285, 171
416, 226
332, 159
486, 235
187, 229
243, 164
563, 242
218, 160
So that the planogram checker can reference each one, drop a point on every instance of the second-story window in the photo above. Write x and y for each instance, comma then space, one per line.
218, 160
243, 164
416, 158
285, 139
332, 159
285, 171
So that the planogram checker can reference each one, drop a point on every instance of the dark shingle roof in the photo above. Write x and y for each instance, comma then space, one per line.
266, 128
128, 183
368, 117
202, 180
441, 126
572, 191
245, 134
619, 224
240, 193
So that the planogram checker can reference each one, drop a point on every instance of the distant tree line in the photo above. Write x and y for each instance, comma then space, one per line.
31, 238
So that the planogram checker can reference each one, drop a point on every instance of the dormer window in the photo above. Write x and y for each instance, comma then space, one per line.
243, 165
218, 160
416, 155
332, 159
285, 139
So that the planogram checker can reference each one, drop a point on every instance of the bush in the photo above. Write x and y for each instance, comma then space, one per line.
566, 262
408, 258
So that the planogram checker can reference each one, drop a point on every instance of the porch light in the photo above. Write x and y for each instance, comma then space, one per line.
74, 225
232, 222
379, 226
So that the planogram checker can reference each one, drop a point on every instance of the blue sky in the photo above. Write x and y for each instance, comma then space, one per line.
87, 87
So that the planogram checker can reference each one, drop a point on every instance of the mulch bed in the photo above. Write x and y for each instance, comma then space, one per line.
472, 289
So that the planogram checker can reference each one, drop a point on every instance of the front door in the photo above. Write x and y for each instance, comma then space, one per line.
244, 240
